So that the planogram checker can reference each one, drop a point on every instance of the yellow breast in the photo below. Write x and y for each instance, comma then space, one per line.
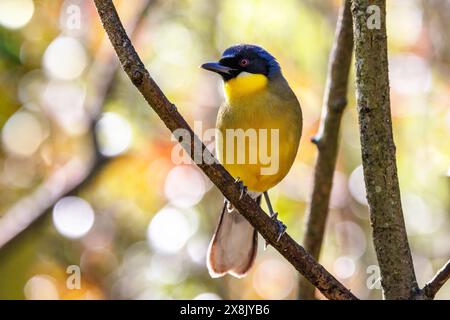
251, 106
244, 84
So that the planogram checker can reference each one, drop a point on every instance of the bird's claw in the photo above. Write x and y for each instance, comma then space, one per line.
281, 227
243, 191
242, 188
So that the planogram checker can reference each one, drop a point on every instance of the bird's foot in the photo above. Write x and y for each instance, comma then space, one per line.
281, 227
242, 188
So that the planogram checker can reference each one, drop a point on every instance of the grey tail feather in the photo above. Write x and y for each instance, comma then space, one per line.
233, 246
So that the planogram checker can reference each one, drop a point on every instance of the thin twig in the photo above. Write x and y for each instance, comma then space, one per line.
168, 113
435, 284
327, 139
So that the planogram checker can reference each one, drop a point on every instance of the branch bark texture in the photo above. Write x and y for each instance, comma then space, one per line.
334, 102
378, 150
168, 113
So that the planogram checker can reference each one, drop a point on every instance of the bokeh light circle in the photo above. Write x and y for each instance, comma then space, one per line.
344, 267
41, 287
73, 217
273, 285
22, 134
357, 186
207, 296
169, 230
65, 58
114, 134
15, 14
184, 186
63, 101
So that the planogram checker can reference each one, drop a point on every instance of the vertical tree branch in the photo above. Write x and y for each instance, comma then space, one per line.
441, 277
334, 102
168, 113
378, 150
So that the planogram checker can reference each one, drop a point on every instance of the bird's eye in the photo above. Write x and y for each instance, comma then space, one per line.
243, 62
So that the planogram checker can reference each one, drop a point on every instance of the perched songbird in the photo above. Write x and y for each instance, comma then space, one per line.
261, 107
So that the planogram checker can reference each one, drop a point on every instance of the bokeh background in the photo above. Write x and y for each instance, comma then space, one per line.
86, 171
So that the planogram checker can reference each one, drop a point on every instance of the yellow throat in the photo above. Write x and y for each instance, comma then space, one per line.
244, 84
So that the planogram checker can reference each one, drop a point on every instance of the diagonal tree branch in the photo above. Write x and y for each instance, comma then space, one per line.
378, 150
168, 113
76, 173
435, 284
334, 102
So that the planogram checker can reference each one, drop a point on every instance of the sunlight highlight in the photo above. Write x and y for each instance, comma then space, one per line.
170, 229
65, 58
114, 134
22, 134
356, 185
64, 102
73, 217
41, 287
15, 14
344, 267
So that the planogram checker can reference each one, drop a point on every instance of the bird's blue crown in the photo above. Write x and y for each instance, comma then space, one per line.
248, 49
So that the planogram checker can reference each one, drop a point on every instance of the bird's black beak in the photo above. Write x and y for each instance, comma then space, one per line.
217, 67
